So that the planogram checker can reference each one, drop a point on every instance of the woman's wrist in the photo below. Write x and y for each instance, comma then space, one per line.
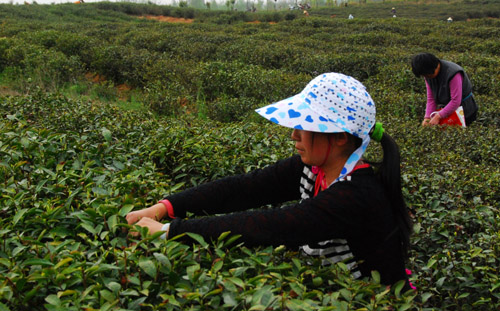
168, 209
159, 211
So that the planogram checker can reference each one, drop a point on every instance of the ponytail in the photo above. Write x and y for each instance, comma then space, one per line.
389, 173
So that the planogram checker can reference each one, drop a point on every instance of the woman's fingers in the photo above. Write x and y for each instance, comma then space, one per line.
133, 217
152, 225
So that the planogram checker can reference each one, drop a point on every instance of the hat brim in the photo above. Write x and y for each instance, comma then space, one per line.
295, 112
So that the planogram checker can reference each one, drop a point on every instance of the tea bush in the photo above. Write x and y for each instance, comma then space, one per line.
81, 165
236, 79
67, 186
71, 169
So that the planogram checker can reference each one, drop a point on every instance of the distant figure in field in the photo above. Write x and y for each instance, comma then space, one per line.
450, 19
306, 13
350, 16
393, 11
448, 89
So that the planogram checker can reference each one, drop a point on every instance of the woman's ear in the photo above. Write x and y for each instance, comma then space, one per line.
345, 142
340, 139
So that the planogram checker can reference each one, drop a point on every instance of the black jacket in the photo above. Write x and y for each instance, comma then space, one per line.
356, 210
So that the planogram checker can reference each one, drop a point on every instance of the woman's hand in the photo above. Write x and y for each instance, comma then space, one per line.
156, 211
152, 225
426, 122
147, 217
435, 119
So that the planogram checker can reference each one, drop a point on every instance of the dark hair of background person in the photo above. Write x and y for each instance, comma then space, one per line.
424, 64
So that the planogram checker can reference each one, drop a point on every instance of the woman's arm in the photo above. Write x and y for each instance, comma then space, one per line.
156, 212
431, 103
455, 95
275, 183
342, 211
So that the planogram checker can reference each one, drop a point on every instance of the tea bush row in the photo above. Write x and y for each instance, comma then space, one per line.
67, 186
173, 64
72, 170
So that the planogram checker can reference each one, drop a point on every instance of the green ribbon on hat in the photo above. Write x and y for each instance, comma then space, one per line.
377, 132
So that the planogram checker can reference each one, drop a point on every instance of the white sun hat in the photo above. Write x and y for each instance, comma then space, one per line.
330, 103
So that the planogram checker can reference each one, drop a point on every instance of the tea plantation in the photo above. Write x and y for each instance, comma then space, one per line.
103, 112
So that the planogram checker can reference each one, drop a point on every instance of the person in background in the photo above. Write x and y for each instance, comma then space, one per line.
337, 206
448, 87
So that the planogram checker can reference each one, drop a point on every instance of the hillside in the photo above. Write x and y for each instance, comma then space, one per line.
104, 111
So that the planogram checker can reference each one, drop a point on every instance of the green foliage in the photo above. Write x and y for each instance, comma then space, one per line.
71, 169
178, 65
240, 80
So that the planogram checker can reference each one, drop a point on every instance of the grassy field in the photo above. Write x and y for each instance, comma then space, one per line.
103, 112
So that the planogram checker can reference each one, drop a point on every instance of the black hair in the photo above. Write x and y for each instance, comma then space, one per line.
424, 64
389, 172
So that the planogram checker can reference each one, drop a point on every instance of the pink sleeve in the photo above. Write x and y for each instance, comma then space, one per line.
431, 104
455, 95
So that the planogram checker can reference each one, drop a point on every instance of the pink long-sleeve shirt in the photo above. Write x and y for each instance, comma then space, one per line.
455, 94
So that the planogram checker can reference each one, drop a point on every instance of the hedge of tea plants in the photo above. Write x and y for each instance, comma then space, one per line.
72, 167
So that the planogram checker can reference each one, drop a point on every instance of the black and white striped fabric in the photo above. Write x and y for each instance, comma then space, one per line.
335, 250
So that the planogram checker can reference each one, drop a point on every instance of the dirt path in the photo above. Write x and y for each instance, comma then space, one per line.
6, 91
168, 19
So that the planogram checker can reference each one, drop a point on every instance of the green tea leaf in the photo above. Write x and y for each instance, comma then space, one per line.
18, 216
114, 287
106, 294
376, 277
426, 296
237, 281
63, 262
198, 238
112, 222
37, 262
229, 299
398, 287
148, 266
106, 134
53, 300
88, 227
217, 265
125, 209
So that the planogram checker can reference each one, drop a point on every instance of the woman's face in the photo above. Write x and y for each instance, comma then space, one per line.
433, 75
312, 147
